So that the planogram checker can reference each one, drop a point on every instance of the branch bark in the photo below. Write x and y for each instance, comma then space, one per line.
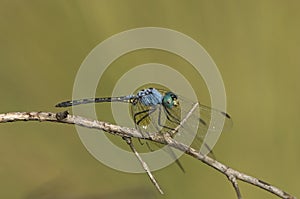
64, 117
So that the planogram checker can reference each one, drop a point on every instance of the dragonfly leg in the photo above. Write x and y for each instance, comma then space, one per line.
176, 120
167, 148
159, 120
150, 111
137, 122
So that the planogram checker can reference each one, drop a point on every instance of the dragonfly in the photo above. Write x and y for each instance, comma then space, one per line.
163, 111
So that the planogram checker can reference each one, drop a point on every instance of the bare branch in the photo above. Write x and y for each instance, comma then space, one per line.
231, 174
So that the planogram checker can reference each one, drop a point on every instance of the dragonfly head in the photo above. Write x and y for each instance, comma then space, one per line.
170, 100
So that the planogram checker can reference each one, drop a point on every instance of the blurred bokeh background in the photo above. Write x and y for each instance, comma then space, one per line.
255, 44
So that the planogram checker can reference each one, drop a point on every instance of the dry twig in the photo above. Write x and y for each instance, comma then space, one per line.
231, 174
144, 164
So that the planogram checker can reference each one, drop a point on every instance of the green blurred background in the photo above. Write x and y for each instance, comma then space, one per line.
254, 43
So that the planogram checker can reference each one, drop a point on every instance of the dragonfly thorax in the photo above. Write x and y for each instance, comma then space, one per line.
150, 97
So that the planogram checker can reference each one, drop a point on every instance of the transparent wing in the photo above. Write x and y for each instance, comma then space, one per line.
193, 122
152, 119
149, 119
199, 123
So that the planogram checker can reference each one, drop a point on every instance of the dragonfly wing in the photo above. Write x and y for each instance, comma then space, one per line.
196, 125
145, 118
199, 122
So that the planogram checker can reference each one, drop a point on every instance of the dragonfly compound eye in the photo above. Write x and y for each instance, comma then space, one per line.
170, 100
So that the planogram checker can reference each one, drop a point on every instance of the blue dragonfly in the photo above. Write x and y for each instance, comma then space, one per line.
159, 110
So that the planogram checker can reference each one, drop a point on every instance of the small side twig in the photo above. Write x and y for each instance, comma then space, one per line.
185, 118
235, 185
144, 164
232, 175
